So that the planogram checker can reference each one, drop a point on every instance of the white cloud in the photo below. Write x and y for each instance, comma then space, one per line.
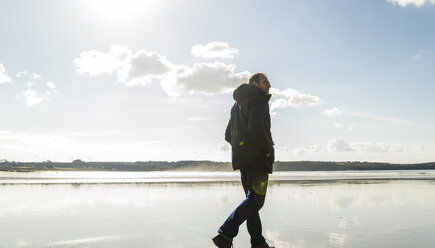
214, 50
338, 145
21, 74
368, 146
300, 99
341, 126
223, 147
35, 92
416, 57
51, 85
33, 97
315, 148
29, 84
132, 69
206, 78
278, 103
35, 76
142, 67
283, 149
295, 98
121, 53
417, 3
4, 78
302, 151
351, 127
338, 125
292, 98
333, 112
377, 147
93, 62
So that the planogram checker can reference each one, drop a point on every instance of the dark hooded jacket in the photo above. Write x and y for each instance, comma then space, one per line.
248, 130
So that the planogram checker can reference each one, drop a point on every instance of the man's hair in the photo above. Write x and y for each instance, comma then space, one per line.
256, 77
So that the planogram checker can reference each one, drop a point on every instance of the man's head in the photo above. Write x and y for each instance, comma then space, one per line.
260, 80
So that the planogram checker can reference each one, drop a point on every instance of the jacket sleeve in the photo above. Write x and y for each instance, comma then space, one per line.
228, 132
258, 112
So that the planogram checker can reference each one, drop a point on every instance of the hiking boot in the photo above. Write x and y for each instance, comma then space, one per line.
222, 242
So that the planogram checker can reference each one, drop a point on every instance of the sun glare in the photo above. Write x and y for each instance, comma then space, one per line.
118, 10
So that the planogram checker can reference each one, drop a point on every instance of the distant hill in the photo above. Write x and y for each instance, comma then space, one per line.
79, 165
340, 166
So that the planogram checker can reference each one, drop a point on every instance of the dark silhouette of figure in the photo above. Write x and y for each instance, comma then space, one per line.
248, 132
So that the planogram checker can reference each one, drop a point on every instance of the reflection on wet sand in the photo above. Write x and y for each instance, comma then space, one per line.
297, 213
97, 177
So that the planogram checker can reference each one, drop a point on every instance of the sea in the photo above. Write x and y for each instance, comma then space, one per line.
354, 209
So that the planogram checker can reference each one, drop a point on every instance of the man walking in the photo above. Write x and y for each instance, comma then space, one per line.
248, 132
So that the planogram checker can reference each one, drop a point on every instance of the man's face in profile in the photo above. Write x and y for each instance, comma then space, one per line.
263, 84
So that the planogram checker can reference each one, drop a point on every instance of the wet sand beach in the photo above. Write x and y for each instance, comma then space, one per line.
311, 209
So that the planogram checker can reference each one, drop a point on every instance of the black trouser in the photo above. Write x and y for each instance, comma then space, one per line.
254, 183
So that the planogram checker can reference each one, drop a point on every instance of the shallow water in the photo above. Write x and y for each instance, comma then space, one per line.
315, 211
112, 177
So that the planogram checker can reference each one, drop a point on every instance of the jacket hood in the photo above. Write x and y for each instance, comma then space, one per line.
247, 91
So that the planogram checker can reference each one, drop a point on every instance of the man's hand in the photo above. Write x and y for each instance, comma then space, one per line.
268, 155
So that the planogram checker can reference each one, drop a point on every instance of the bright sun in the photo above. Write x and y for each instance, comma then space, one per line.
117, 10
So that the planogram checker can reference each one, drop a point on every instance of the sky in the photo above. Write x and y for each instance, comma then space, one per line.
153, 79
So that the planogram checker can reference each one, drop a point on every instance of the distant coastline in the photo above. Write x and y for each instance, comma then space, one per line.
187, 165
